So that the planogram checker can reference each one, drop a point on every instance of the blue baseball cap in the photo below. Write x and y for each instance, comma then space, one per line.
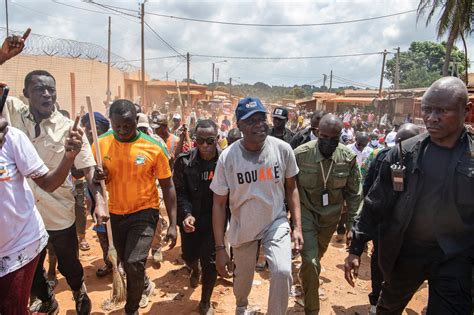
249, 106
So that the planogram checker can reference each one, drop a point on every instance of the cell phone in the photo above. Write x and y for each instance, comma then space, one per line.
3, 100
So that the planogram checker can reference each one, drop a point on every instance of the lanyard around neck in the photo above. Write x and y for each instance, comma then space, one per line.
325, 176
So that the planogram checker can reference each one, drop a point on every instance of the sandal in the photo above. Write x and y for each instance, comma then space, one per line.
102, 272
83, 245
52, 283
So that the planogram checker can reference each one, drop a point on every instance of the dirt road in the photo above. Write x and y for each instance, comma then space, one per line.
174, 296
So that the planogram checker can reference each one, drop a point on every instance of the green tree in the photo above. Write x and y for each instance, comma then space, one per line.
425, 59
455, 20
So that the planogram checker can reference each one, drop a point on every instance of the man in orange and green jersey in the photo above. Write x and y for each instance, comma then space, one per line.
132, 161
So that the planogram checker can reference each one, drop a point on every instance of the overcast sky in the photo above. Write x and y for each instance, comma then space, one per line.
54, 19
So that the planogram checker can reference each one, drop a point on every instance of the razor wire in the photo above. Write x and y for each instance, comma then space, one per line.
42, 45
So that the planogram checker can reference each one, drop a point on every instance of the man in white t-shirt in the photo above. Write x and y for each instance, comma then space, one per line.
23, 235
255, 174
47, 129
347, 133
360, 147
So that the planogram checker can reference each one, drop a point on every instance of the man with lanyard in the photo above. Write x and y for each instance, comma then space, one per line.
132, 163
255, 174
279, 130
192, 176
48, 129
423, 216
329, 176
310, 132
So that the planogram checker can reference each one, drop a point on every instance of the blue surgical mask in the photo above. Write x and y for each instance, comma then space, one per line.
374, 143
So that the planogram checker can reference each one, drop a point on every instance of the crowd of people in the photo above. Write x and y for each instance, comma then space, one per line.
235, 191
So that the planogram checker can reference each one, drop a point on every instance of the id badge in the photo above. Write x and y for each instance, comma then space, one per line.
325, 198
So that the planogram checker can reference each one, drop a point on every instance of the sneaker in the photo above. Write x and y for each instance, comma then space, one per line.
195, 274
103, 271
146, 294
373, 310
83, 302
206, 309
157, 256
50, 307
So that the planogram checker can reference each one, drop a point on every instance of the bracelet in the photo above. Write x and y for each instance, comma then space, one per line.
219, 247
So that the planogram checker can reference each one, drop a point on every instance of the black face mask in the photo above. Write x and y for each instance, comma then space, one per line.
327, 146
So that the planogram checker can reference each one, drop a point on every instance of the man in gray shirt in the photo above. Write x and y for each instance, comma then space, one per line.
256, 174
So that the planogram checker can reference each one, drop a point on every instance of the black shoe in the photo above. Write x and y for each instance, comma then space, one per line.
50, 307
83, 302
206, 309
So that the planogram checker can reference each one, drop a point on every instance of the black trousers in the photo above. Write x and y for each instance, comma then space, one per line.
66, 248
375, 274
449, 281
133, 234
200, 245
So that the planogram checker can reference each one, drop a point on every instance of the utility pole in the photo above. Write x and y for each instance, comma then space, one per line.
189, 95
6, 14
324, 79
166, 75
397, 69
381, 73
330, 81
230, 90
213, 70
108, 66
143, 56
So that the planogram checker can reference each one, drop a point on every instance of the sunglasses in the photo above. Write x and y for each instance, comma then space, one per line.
210, 140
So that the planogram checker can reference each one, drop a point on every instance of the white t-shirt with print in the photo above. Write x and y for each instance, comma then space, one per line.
20, 222
255, 184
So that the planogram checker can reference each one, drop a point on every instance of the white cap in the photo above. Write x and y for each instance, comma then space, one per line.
177, 116
142, 121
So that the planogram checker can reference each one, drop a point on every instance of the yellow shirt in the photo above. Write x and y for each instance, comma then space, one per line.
133, 169
56, 208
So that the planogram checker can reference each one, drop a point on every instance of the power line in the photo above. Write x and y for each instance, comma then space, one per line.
281, 25
156, 58
352, 82
287, 58
79, 8
163, 40
119, 8
176, 67
52, 16
111, 9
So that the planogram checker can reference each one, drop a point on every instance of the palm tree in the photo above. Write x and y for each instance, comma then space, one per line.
455, 20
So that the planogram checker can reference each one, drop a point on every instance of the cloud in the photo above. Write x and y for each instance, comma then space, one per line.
53, 19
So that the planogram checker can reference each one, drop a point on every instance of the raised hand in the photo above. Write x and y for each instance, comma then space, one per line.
13, 45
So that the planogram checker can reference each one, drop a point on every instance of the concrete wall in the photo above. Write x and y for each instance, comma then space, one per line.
90, 77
